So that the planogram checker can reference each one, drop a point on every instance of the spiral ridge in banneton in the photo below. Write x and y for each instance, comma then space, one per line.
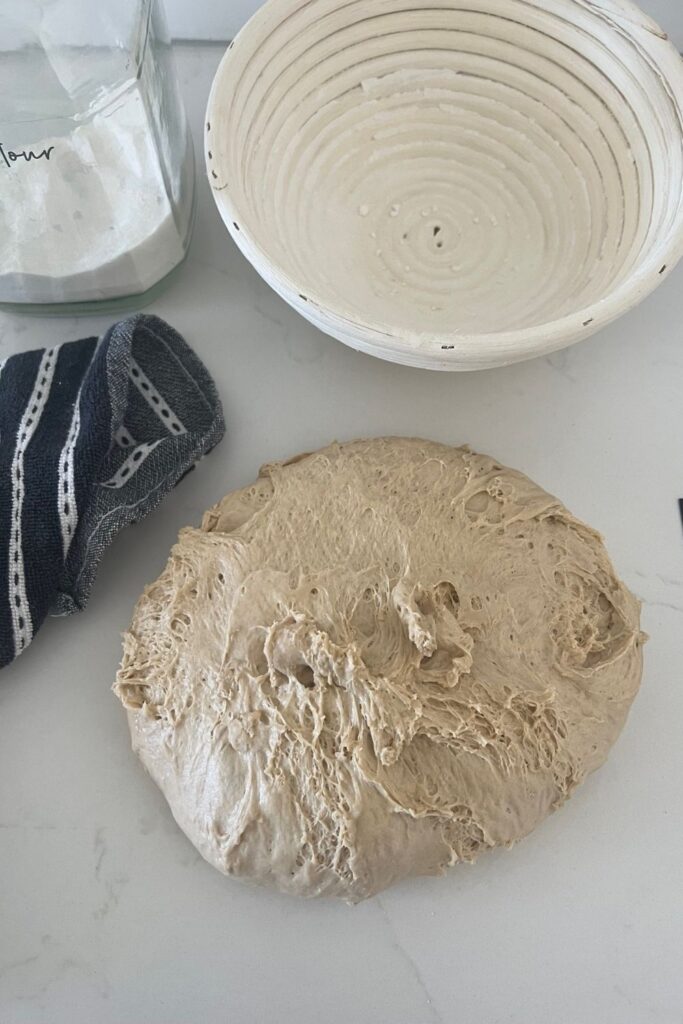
435, 171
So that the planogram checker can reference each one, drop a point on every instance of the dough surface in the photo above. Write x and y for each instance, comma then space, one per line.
378, 660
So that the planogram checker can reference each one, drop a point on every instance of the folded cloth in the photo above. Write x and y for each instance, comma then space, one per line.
93, 434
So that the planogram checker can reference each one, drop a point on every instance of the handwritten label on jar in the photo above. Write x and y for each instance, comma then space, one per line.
10, 157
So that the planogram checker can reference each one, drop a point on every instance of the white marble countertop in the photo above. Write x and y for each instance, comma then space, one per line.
108, 915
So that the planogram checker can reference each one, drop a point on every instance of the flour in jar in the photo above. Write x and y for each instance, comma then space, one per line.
87, 215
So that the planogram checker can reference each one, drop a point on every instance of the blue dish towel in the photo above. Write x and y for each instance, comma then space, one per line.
93, 434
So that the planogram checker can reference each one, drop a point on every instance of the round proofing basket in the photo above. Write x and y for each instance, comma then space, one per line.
452, 184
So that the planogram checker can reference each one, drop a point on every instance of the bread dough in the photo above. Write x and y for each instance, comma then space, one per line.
378, 660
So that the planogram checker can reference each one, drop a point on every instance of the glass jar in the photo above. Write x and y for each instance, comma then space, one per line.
96, 159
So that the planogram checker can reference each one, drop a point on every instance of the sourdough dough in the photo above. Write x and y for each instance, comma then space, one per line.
378, 660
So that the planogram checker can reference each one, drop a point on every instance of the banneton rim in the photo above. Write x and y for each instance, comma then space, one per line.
451, 184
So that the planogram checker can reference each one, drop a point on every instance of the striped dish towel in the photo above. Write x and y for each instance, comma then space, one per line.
93, 434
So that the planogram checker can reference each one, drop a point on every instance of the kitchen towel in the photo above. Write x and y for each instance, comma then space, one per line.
93, 434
